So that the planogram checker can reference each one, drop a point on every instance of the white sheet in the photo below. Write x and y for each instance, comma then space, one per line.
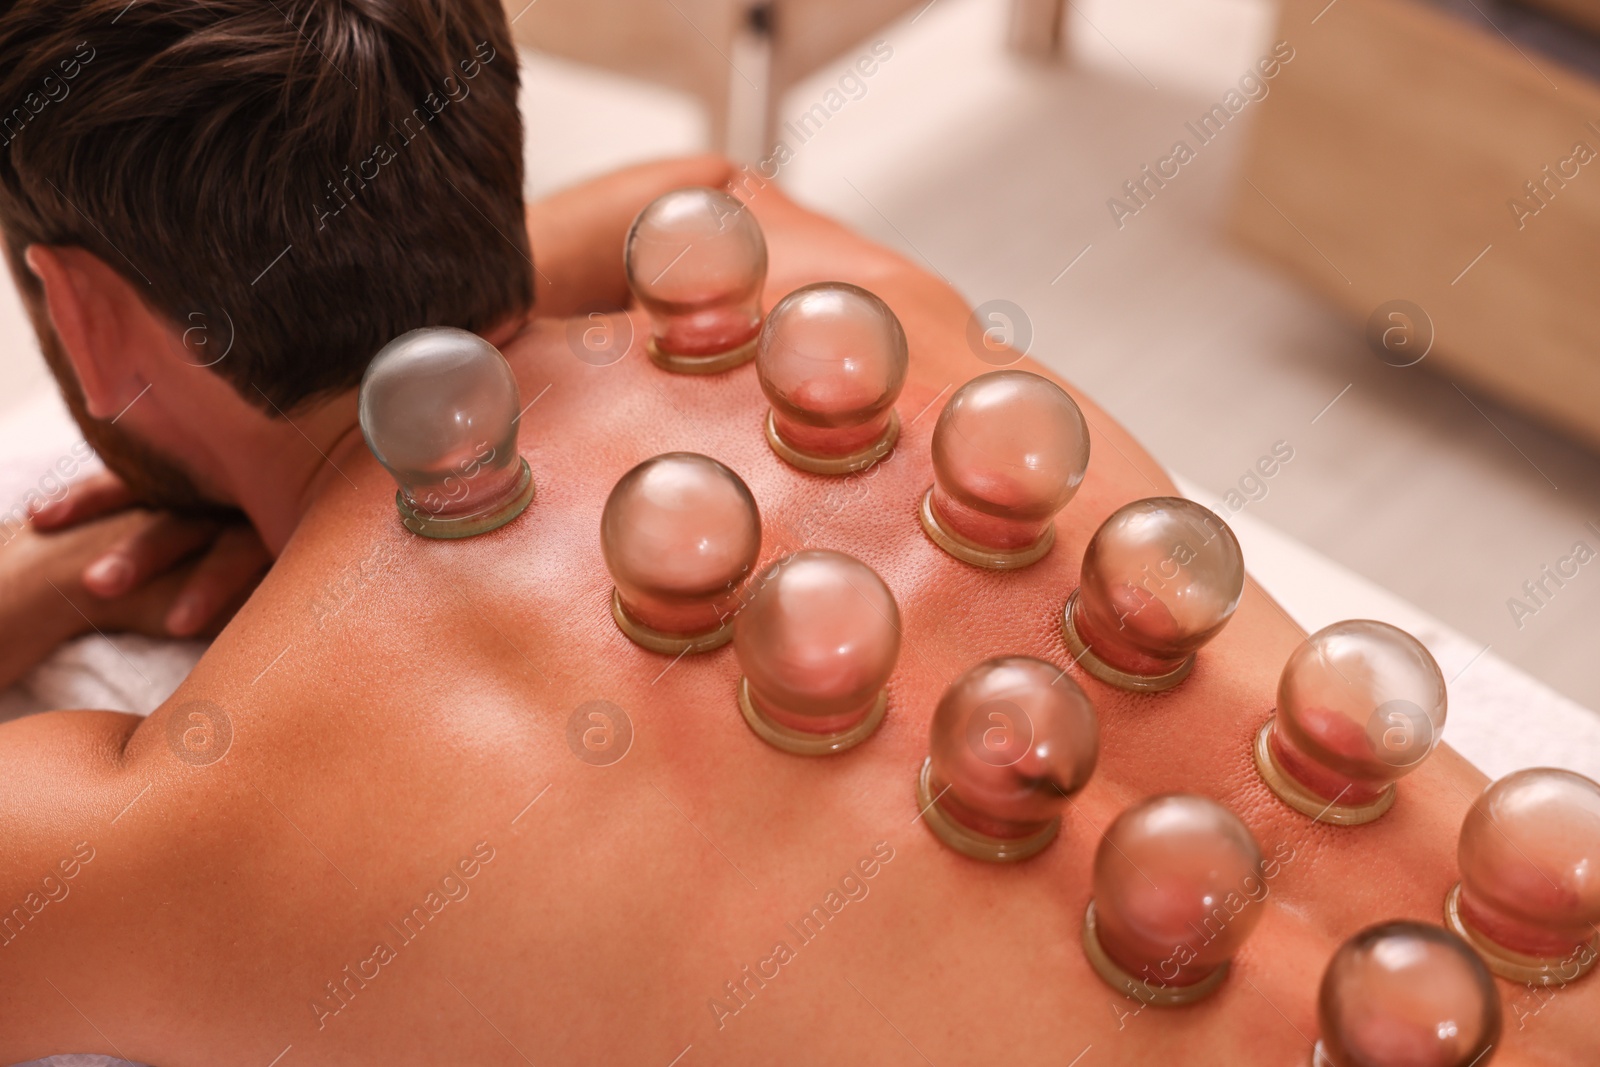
1499, 718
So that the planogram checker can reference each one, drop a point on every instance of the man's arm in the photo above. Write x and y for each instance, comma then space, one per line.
50, 588
62, 786
577, 234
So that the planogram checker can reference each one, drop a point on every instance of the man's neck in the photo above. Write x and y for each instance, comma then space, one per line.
278, 468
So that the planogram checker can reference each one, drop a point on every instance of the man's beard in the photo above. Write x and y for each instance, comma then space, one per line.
154, 479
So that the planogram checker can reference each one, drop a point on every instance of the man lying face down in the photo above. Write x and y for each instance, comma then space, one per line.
367, 835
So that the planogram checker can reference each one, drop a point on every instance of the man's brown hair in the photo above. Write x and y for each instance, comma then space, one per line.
294, 182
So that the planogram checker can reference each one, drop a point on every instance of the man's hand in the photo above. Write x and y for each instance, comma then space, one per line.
231, 556
93, 561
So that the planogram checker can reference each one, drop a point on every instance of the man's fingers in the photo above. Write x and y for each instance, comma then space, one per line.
98, 494
147, 552
220, 581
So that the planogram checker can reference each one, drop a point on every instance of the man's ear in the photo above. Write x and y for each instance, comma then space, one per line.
97, 315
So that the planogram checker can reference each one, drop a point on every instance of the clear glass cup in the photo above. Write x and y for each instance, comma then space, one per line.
1178, 887
1009, 451
1160, 578
817, 640
680, 533
1011, 739
1406, 994
1529, 855
1360, 705
832, 360
696, 259
438, 408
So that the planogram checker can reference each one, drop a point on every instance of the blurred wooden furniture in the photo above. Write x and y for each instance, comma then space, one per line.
1038, 28
1387, 163
713, 49
1578, 12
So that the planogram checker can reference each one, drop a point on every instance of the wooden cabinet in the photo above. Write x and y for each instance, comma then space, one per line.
1390, 162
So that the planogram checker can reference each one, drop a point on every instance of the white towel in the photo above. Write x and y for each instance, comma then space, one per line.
40, 448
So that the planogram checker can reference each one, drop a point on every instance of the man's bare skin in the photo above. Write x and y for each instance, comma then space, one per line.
399, 714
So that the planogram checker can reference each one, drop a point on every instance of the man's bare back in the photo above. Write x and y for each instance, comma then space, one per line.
382, 845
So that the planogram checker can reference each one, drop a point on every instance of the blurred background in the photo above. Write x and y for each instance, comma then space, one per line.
1336, 268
